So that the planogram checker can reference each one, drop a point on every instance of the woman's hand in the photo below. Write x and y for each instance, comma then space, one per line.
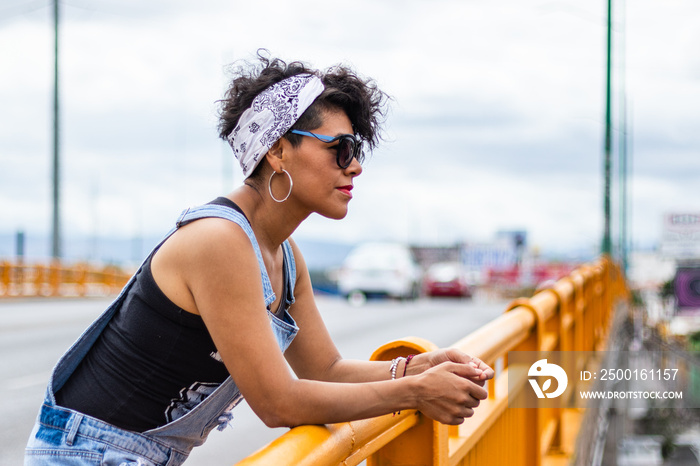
449, 392
422, 362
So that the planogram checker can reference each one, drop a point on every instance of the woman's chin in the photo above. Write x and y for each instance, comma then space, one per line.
337, 215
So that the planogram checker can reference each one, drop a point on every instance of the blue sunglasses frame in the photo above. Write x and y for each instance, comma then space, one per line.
355, 146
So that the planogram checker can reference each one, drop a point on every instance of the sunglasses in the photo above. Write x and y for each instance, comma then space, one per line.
348, 146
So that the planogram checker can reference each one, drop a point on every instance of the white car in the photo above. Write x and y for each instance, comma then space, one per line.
387, 269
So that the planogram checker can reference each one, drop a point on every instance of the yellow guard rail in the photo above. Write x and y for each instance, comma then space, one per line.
56, 279
572, 315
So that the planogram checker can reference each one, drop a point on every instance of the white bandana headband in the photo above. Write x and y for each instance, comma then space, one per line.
270, 116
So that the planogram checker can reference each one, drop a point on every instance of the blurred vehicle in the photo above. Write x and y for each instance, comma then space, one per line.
447, 279
386, 269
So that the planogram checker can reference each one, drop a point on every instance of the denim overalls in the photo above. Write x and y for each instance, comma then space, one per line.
63, 436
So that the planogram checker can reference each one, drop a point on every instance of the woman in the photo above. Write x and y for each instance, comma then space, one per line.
215, 310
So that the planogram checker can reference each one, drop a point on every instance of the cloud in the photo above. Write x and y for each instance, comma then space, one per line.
497, 119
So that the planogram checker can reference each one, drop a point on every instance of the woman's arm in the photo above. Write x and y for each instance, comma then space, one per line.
223, 277
313, 355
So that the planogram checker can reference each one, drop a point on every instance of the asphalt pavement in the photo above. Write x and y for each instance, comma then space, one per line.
35, 332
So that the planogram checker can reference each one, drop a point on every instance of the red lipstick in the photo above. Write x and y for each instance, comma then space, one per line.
345, 190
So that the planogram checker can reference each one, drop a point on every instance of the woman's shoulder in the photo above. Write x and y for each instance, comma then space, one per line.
211, 238
205, 245
199, 257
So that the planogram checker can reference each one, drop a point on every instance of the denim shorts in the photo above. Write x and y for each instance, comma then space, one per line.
66, 437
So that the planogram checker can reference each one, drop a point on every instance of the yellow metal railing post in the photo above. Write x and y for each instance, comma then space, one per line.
55, 278
534, 422
561, 324
39, 279
427, 442
4, 278
80, 275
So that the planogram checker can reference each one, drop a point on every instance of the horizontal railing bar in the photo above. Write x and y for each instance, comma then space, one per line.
383, 438
546, 303
498, 336
333, 443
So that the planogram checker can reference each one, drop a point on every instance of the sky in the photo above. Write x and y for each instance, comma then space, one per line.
496, 120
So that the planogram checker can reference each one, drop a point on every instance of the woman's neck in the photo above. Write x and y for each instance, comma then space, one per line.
272, 222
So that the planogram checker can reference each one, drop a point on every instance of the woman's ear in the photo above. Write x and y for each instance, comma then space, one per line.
277, 154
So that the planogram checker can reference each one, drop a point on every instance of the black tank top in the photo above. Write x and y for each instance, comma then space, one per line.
152, 364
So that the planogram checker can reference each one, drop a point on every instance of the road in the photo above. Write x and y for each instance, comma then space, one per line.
35, 332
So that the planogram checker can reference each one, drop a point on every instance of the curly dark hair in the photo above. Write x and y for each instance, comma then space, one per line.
360, 99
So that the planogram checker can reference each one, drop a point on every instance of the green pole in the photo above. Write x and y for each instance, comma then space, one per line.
624, 170
623, 191
55, 224
606, 247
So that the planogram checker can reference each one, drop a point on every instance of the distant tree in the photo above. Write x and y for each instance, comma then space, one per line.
667, 290
694, 339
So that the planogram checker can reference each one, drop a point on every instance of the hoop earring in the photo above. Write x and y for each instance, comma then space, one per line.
269, 186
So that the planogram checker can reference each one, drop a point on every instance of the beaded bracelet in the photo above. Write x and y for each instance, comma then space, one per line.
394, 365
392, 369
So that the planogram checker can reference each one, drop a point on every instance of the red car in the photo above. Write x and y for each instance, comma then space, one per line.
447, 279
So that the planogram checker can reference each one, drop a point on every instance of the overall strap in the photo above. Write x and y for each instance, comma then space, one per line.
214, 210
290, 271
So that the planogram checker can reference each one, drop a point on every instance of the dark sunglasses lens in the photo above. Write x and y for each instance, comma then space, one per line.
346, 150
